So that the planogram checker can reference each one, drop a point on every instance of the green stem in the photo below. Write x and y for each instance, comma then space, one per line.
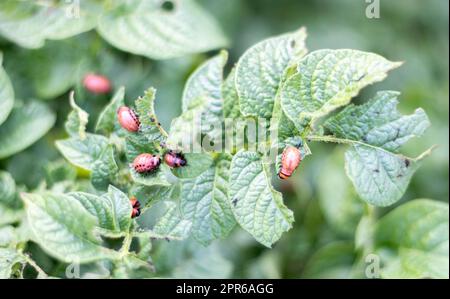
35, 266
126, 244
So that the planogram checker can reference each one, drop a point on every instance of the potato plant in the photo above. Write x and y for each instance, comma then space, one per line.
94, 207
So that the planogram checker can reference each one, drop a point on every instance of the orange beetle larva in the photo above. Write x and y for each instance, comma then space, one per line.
136, 207
128, 119
290, 159
145, 163
174, 159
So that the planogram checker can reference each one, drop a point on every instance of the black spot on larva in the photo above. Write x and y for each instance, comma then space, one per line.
407, 162
292, 43
152, 119
159, 124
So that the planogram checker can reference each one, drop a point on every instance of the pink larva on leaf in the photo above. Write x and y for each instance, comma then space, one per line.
128, 119
97, 84
145, 163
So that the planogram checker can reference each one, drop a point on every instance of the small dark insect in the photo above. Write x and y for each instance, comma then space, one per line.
234, 201
376, 170
290, 159
145, 163
407, 162
174, 159
136, 207
152, 119
97, 84
128, 119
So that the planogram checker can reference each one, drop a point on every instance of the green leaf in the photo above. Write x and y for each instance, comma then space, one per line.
9, 215
7, 188
149, 195
132, 267
230, 97
155, 178
83, 153
334, 260
107, 121
25, 125
380, 177
112, 210
196, 164
76, 120
136, 144
377, 130
184, 129
204, 201
59, 171
6, 93
104, 169
30, 24
74, 240
206, 82
328, 79
257, 207
338, 201
9, 258
199, 265
146, 28
150, 126
260, 70
171, 225
121, 208
416, 264
378, 122
418, 230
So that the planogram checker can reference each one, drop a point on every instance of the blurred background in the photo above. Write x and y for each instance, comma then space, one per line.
327, 211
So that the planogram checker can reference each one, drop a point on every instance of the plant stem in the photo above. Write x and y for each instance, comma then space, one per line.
33, 264
126, 244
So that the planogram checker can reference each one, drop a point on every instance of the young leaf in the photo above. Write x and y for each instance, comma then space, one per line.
7, 188
257, 207
184, 129
30, 24
380, 177
171, 225
261, 69
419, 230
107, 121
104, 169
328, 79
24, 126
6, 93
378, 130
113, 210
206, 82
150, 126
76, 120
146, 28
9, 258
74, 240
204, 201
155, 178
196, 164
378, 122
83, 153
230, 96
